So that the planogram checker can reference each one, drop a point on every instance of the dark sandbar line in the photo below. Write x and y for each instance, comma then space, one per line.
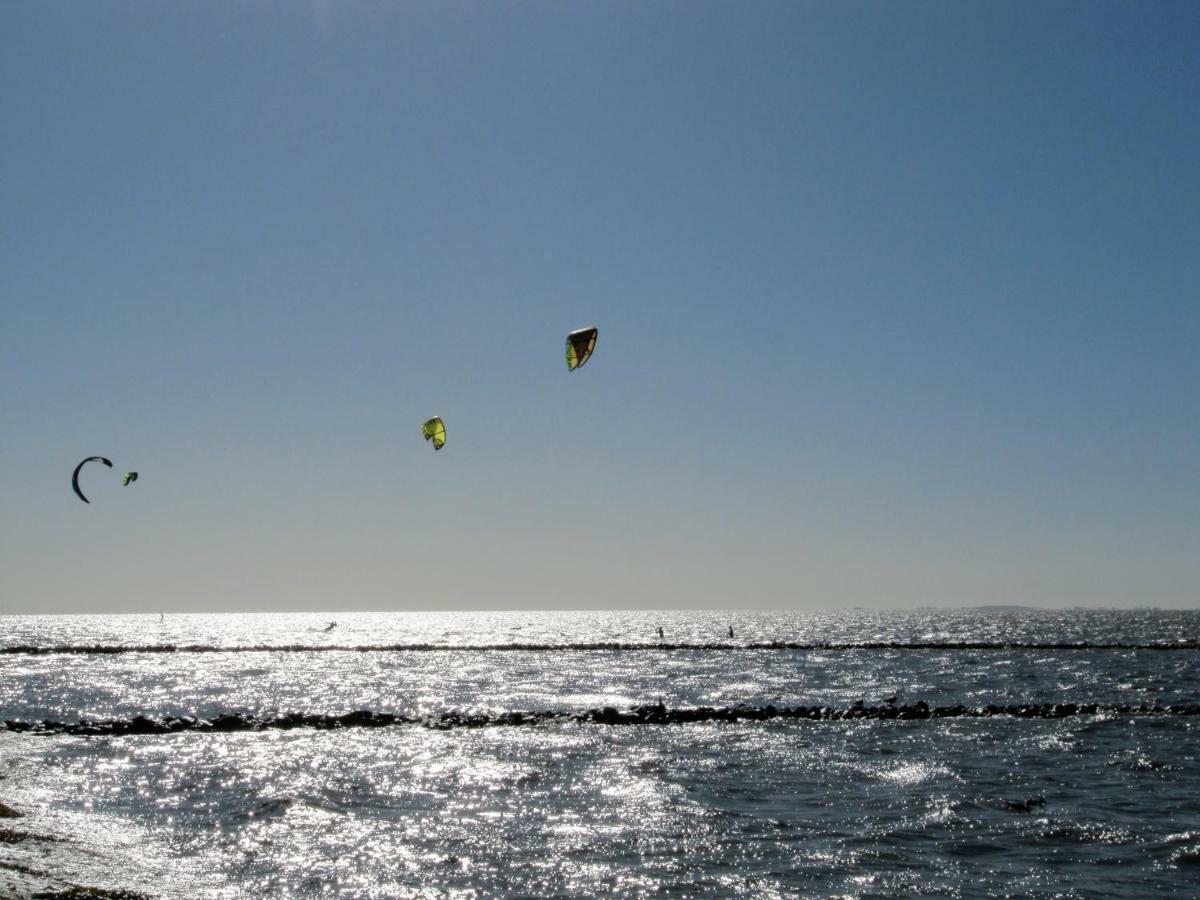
651, 714
110, 649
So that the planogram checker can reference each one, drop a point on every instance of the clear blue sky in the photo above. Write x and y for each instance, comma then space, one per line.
899, 304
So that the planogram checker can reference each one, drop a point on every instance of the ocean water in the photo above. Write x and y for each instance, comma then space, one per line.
1098, 799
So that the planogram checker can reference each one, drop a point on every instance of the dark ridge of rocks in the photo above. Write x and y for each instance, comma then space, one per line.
9, 836
24, 870
650, 714
88, 893
609, 646
7, 812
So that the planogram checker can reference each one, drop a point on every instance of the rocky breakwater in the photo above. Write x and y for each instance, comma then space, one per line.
649, 714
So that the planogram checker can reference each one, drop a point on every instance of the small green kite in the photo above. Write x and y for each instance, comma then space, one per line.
129, 478
435, 430
580, 345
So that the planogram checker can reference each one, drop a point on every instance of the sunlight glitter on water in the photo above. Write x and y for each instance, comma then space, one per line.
752, 809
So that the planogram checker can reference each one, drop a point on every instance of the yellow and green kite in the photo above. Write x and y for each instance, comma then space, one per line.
580, 345
435, 430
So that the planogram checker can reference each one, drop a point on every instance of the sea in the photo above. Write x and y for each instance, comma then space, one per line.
995, 752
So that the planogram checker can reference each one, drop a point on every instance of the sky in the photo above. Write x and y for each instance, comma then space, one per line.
899, 305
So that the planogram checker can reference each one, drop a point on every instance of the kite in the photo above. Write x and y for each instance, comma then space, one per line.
580, 345
75, 475
129, 478
435, 430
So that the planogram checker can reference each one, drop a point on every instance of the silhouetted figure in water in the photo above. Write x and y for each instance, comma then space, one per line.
660, 633
731, 631
1024, 806
331, 626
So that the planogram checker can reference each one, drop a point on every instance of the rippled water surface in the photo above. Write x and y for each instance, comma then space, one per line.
1106, 804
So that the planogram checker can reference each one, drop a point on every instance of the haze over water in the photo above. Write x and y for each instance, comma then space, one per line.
1088, 805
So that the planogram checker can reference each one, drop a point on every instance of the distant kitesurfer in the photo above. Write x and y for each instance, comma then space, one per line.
660, 633
1023, 806
331, 626
731, 631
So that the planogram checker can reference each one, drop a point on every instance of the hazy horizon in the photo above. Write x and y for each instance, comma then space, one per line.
897, 306
321, 615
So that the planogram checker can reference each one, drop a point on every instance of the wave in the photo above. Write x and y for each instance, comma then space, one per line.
611, 646
651, 714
